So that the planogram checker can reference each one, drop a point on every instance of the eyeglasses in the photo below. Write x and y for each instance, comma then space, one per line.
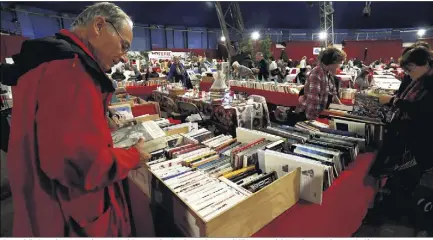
125, 45
408, 69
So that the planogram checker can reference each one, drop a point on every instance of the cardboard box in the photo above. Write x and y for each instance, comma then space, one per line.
243, 219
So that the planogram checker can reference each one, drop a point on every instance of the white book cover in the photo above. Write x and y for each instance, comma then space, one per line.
312, 173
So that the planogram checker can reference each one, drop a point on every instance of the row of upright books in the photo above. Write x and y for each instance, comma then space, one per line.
253, 163
268, 86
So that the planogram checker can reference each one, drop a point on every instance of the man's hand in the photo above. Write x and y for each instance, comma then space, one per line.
144, 156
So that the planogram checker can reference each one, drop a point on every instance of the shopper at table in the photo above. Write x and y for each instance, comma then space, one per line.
274, 71
361, 80
65, 175
241, 72
262, 67
405, 157
178, 72
320, 89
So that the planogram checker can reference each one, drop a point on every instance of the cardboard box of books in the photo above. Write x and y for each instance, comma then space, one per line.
214, 187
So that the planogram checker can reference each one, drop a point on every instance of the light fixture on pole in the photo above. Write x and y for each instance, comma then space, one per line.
323, 35
255, 35
223, 39
421, 33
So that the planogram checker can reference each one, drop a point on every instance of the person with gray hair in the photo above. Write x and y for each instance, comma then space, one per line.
65, 174
241, 72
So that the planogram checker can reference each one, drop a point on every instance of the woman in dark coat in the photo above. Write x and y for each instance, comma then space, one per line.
406, 155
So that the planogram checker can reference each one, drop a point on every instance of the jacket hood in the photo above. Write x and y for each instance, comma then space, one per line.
58, 47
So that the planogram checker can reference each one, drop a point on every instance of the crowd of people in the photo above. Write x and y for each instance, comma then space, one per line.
66, 177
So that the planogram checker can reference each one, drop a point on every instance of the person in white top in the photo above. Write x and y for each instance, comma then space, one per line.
273, 69
273, 65
303, 63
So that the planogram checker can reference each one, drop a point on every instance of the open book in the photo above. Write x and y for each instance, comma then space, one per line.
153, 135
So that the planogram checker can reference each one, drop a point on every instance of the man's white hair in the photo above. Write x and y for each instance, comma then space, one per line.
235, 64
110, 11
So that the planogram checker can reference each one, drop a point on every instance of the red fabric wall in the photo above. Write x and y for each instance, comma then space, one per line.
295, 50
384, 49
10, 45
210, 53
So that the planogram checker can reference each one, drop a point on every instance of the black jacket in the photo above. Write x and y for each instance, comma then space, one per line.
37, 51
411, 129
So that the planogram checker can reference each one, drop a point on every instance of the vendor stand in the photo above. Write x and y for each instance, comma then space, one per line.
344, 206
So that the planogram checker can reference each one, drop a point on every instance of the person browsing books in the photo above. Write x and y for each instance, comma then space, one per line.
66, 177
405, 155
320, 89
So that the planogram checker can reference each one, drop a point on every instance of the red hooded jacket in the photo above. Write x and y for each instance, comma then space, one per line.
65, 176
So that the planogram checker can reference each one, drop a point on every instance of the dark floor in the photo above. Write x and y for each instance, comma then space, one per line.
387, 230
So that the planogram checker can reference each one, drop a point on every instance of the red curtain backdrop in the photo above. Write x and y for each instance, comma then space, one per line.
384, 49
10, 45
295, 50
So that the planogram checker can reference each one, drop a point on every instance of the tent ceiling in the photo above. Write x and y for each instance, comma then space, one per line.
348, 15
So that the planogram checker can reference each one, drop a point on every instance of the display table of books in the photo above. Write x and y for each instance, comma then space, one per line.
220, 186
248, 115
278, 94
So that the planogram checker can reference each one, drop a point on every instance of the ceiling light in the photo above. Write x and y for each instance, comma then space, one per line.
223, 39
255, 35
421, 32
323, 35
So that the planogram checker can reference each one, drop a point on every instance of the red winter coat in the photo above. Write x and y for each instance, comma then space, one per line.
65, 176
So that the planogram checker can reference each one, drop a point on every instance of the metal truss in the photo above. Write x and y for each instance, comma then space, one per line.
327, 22
232, 24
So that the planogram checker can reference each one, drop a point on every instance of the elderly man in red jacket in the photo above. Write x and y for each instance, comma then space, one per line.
65, 175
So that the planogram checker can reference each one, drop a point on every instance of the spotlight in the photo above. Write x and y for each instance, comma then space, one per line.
323, 35
366, 12
255, 35
421, 32
223, 39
